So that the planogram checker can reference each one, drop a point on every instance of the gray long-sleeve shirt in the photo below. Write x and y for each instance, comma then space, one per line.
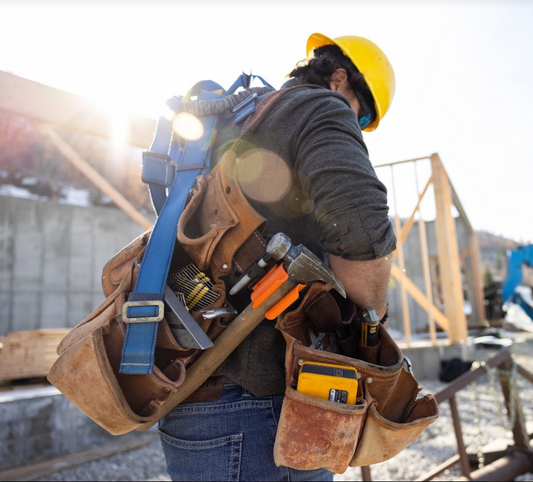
306, 170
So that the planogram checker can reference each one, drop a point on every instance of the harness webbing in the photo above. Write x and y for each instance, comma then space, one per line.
166, 165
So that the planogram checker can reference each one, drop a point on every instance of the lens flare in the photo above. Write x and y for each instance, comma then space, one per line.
188, 126
263, 175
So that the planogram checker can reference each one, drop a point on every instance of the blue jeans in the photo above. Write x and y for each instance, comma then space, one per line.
231, 439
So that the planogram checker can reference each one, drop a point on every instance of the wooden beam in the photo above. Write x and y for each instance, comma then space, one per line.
29, 354
460, 209
449, 264
92, 174
419, 297
402, 162
409, 223
47, 104
403, 289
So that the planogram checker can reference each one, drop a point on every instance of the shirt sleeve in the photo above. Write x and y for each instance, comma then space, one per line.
333, 167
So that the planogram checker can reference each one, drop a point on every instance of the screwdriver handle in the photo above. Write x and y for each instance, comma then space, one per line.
370, 327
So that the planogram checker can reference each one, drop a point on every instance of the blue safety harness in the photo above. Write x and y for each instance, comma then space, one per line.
170, 168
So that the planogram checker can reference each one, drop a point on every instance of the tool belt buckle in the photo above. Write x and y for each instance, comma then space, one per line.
143, 319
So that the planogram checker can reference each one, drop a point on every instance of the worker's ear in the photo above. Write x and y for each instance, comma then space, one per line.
338, 78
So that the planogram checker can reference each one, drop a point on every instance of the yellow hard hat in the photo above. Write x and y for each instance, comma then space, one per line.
370, 61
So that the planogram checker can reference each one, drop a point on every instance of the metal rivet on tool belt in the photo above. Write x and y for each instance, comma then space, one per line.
358, 376
225, 266
300, 361
369, 380
166, 389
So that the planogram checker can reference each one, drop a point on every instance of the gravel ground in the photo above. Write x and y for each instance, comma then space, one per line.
434, 446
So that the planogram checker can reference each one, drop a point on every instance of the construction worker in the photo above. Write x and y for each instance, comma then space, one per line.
306, 170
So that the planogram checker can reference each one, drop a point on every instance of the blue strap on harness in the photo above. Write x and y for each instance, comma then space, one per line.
144, 308
165, 166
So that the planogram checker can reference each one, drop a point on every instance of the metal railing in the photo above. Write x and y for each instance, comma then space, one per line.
518, 458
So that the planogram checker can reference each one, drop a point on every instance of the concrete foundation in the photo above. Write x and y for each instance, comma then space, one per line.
426, 359
51, 260
38, 424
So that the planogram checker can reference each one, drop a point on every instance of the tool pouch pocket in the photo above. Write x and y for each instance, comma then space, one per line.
87, 374
314, 433
87, 370
218, 219
387, 433
387, 416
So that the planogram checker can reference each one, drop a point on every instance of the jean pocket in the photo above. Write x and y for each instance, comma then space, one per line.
217, 459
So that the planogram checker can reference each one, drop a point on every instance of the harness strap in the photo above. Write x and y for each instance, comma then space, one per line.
158, 171
144, 308
167, 165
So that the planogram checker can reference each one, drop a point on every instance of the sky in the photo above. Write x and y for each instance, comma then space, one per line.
463, 69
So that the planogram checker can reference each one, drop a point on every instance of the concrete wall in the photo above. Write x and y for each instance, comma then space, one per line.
51, 259
39, 424
52, 255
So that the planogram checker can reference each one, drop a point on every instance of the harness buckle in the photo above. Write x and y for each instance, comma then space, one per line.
143, 319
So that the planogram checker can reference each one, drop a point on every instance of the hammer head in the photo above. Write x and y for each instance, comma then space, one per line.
302, 265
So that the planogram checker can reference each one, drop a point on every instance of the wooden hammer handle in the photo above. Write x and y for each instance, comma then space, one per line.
211, 359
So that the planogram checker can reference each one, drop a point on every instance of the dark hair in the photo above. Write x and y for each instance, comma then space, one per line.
325, 61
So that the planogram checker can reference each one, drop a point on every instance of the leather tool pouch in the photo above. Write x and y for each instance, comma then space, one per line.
218, 230
218, 209
316, 433
87, 370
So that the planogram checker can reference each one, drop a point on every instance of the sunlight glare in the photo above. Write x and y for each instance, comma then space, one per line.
188, 126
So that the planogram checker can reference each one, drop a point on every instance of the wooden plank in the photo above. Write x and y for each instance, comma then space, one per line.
460, 209
448, 253
29, 354
44, 103
402, 162
409, 223
42, 469
420, 297
94, 176
403, 289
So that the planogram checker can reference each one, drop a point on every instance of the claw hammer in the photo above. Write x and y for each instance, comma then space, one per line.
302, 266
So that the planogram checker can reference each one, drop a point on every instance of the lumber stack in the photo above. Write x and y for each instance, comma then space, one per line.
28, 354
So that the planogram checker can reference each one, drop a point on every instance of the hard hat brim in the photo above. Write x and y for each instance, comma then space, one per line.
318, 40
